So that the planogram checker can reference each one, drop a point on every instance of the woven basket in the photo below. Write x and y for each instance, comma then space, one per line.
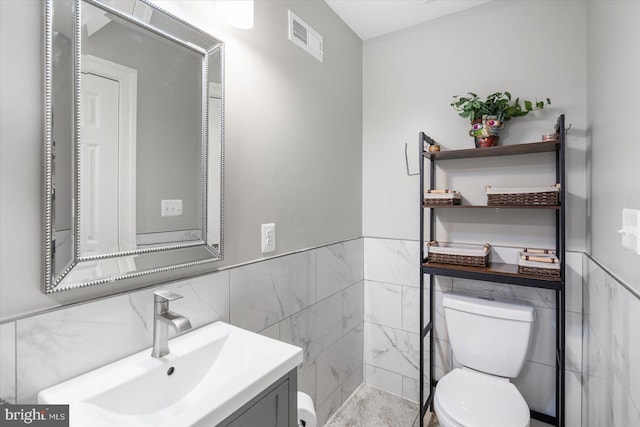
541, 197
441, 202
536, 262
441, 198
535, 271
458, 254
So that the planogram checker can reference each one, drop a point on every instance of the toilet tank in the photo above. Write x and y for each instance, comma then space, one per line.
489, 334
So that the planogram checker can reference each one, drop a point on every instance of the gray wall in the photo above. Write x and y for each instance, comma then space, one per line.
614, 152
169, 140
293, 135
409, 80
611, 383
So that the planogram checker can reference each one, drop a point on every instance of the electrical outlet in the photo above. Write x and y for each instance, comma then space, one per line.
171, 207
630, 231
268, 237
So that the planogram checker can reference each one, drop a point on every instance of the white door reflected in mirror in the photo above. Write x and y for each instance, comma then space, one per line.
107, 153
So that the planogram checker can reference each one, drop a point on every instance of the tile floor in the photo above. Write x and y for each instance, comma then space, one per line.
371, 407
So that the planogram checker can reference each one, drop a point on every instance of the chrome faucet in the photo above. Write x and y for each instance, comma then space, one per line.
162, 319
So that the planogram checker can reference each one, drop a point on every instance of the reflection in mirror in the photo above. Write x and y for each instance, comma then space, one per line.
133, 142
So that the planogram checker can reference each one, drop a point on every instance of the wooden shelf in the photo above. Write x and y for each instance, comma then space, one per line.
496, 272
491, 207
501, 150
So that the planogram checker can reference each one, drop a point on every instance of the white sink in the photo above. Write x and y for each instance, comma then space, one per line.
214, 371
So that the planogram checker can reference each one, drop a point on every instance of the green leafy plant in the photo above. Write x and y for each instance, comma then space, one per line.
497, 104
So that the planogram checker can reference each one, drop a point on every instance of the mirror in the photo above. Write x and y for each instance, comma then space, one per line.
134, 151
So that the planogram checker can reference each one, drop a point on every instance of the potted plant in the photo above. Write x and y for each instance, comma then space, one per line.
487, 116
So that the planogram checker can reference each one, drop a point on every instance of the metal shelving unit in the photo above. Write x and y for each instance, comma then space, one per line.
499, 273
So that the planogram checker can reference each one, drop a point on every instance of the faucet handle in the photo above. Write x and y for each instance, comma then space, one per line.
165, 296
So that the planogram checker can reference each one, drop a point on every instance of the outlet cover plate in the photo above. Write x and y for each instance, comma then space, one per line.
268, 238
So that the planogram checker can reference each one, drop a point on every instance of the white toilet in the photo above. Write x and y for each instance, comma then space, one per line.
490, 338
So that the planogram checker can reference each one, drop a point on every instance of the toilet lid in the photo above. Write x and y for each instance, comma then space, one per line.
474, 399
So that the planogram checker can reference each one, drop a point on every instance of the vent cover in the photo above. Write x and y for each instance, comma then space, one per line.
304, 36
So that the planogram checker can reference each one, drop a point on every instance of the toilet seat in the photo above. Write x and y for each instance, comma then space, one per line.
468, 398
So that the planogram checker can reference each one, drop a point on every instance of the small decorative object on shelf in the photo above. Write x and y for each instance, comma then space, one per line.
433, 148
526, 196
458, 253
441, 197
550, 137
488, 116
539, 262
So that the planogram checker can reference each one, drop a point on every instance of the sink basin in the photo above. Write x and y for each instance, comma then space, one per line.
209, 374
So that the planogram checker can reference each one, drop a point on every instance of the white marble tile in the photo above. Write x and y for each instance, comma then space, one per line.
443, 357
625, 350
272, 331
573, 398
411, 309
266, 292
411, 389
383, 379
442, 283
440, 331
326, 409
537, 384
59, 345
205, 298
8, 362
573, 282
351, 384
597, 406
62, 344
573, 341
383, 304
392, 349
598, 322
625, 412
307, 379
633, 351
315, 328
339, 266
352, 306
338, 362
538, 297
392, 261
164, 238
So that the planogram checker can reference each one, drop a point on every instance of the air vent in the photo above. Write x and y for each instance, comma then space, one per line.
300, 32
304, 36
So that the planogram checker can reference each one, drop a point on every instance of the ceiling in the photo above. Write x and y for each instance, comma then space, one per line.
373, 18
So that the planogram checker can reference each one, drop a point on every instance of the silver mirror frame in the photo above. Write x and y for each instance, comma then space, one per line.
52, 281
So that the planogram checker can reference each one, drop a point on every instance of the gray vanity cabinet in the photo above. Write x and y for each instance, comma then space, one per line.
277, 406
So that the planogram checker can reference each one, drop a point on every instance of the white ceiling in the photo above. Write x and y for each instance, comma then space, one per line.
372, 18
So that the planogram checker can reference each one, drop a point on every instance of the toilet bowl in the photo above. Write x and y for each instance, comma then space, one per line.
490, 337
467, 398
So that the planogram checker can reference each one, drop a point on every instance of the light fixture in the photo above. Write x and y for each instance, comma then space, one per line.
238, 13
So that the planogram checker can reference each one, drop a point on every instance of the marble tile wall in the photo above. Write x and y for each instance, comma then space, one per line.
391, 347
313, 299
611, 392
